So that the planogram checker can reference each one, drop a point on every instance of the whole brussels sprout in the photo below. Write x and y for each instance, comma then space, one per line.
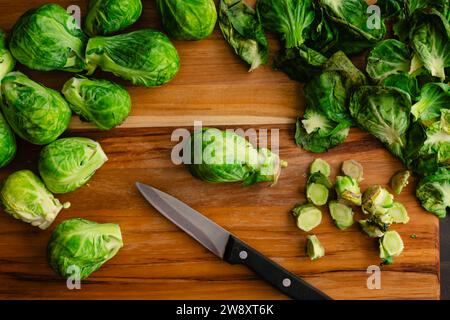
102, 102
69, 163
82, 245
25, 197
8, 145
48, 38
109, 16
7, 62
188, 19
145, 57
36, 113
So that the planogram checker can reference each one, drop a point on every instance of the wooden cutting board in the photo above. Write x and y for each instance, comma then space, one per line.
158, 260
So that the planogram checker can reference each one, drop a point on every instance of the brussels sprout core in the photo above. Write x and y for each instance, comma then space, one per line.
314, 248
347, 189
398, 213
377, 201
342, 214
391, 245
308, 217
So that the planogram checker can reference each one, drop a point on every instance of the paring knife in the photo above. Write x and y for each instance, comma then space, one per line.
227, 246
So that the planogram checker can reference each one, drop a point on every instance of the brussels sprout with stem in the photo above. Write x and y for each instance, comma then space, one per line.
242, 29
353, 169
83, 244
400, 180
398, 213
106, 17
7, 62
35, 113
341, 214
48, 38
102, 102
317, 189
8, 147
321, 166
188, 19
314, 248
391, 245
69, 163
433, 192
348, 190
371, 229
145, 57
307, 216
25, 197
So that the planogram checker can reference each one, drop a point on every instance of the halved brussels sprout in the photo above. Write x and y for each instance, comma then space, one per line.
371, 229
79, 247
35, 113
353, 169
391, 245
8, 145
348, 190
69, 163
224, 156
48, 38
188, 19
102, 102
377, 201
25, 197
7, 62
400, 180
317, 189
307, 216
321, 166
106, 17
341, 214
433, 192
398, 213
314, 248
145, 57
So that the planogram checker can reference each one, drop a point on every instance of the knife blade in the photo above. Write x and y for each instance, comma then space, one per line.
227, 246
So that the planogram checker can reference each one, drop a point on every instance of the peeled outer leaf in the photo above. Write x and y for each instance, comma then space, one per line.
35, 113
145, 57
384, 112
8, 147
25, 197
291, 19
434, 97
242, 29
322, 35
82, 245
69, 163
353, 16
351, 43
188, 19
300, 63
390, 8
48, 38
7, 61
106, 17
223, 156
388, 57
404, 82
102, 102
317, 134
430, 39
433, 192
413, 5
352, 76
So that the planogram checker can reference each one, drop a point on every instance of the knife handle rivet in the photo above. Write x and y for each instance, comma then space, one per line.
286, 283
243, 255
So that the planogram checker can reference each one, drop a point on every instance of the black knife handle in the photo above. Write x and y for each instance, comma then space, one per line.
238, 252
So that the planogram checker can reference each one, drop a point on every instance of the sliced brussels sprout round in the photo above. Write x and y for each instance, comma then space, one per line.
144, 57
26, 198
341, 214
391, 245
69, 163
371, 229
400, 180
377, 200
319, 165
314, 248
317, 194
35, 113
83, 246
308, 217
48, 38
348, 190
106, 17
8, 147
353, 169
102, 102
398, 213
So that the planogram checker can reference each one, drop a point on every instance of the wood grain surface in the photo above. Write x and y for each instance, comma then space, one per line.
158, 260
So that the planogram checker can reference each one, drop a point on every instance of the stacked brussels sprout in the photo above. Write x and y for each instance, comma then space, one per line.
376, 203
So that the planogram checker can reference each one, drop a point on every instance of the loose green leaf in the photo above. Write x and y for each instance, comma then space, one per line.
433, 192
434, 97
404, 82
